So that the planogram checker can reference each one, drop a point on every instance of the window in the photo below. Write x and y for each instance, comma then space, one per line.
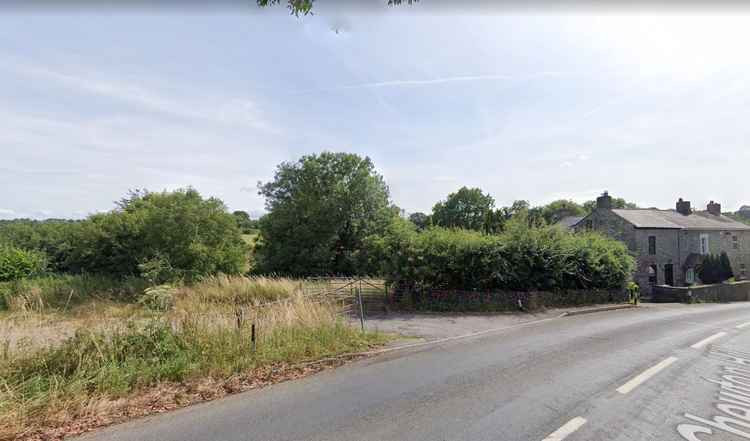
735, 243
690, 276
704, 244
652, 277
589, 224
652, 245
743, 272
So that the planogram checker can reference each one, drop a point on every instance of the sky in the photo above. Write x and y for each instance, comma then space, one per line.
536, 105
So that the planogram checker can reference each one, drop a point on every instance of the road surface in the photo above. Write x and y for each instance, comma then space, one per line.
667, 372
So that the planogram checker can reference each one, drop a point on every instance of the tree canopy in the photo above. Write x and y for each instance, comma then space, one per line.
467, 208
618, 203
304, 7
320, 210
420, 220
557, 210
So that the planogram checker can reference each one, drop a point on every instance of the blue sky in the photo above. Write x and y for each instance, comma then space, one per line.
651, 107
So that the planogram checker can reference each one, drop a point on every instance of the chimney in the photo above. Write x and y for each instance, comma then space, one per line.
604, 201
714, 208
683, 207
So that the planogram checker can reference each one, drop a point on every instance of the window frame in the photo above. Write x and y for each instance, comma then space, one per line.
690, 276
704, 239
652, 245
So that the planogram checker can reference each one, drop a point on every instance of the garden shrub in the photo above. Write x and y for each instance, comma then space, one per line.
715, 269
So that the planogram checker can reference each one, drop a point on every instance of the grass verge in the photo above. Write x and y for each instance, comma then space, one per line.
193, 349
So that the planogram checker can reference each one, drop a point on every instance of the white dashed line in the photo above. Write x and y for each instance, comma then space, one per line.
564, 431
744, 325
647, 374
708, 340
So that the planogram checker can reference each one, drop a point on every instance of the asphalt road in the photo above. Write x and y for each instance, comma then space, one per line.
622, 375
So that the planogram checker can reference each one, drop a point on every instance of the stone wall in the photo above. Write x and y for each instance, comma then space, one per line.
458, 300
723, 292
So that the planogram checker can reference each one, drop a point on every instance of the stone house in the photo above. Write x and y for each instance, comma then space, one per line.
670, 244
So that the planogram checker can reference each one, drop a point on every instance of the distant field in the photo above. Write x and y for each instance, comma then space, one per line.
251, 238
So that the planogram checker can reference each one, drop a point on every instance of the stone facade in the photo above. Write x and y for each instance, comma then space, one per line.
668, 244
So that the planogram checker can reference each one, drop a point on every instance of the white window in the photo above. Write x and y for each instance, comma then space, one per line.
704, 244
690, 276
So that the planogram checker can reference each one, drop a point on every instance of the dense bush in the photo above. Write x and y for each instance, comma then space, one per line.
161, 236
54, 237
16, 263
715, 269
520, 259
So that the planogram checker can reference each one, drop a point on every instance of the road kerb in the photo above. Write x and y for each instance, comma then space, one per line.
597, 309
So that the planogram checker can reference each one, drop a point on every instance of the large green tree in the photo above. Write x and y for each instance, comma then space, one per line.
321, 209
467, 208
556, 210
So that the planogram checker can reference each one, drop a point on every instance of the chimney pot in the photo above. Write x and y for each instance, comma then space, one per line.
683, 207
604, 201
714, 208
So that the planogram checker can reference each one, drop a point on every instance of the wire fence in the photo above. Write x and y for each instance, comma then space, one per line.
351, 298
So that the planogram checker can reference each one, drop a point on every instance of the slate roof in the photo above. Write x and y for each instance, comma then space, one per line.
569, 221
698, 220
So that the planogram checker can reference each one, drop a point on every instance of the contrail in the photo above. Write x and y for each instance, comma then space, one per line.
427, 82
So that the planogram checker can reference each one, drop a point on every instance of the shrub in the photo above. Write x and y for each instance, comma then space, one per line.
522, 258
16, 263
165, 236
715, 269
55, 238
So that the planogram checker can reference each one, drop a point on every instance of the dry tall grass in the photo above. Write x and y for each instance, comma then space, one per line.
112, 352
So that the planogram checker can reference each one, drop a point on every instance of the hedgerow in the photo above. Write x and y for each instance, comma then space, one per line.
521, 258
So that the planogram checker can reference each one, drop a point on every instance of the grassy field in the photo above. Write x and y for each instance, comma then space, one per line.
250, 238
77, 351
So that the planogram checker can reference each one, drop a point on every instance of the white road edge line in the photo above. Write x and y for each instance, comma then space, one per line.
645, 376
708, 340
569, 427
744, 325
